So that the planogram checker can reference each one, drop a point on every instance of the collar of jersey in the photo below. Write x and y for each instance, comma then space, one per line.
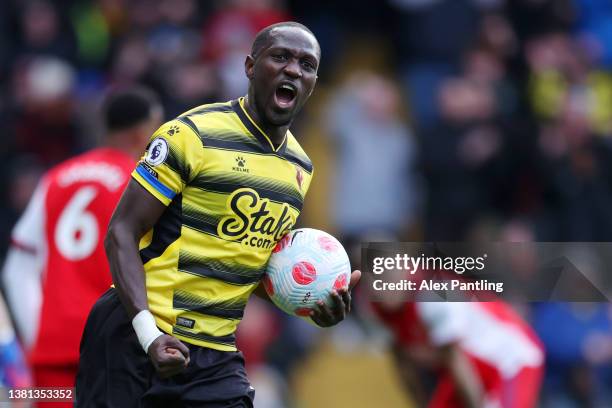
260, 135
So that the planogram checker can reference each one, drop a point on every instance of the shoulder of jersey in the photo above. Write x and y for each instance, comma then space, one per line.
93, 154
194, 119
207, 108
105, 166
295, 150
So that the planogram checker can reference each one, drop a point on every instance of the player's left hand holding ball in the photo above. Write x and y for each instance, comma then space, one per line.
324, 315
309, 275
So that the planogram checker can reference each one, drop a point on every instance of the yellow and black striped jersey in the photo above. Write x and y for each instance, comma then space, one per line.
231, 195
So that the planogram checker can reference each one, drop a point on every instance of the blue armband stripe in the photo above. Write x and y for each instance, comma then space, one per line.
155, 183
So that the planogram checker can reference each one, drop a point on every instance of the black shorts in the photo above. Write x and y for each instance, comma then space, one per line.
115, 372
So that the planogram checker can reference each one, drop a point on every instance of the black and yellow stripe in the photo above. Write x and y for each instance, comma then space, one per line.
229, 309
223, 270
226, 183
166, 231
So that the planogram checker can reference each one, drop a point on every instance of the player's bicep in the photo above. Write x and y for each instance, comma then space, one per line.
137, 211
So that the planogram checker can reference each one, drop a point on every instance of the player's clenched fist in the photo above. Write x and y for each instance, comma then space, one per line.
168, 355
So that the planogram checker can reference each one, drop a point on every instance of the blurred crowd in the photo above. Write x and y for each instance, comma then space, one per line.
437, 120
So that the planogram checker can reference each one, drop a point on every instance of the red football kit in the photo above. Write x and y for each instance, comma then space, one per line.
504, 351
64, 227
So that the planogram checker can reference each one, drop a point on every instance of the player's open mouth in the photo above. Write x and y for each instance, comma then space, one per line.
285, 95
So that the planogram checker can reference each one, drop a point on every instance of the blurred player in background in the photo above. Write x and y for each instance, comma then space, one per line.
56, 267
14, 370
484, 355
215, 191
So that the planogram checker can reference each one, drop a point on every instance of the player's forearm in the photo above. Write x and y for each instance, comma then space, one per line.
126, 268
21, 278
408, 376
465, 378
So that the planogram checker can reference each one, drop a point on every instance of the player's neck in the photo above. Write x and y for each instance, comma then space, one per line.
275, 133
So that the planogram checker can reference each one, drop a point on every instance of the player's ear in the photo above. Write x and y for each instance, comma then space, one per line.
249, 66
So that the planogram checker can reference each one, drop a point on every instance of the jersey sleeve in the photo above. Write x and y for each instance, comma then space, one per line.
23, 269
445, 321
29, 232
170, 162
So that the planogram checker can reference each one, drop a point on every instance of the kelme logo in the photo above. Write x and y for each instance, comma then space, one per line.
240, 165
254, 221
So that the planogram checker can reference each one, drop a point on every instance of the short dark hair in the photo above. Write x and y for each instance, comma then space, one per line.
125, 108
263, 37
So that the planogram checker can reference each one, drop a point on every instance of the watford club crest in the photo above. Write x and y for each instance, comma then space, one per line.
299, 177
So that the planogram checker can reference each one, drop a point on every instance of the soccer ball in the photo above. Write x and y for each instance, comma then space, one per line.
305, 266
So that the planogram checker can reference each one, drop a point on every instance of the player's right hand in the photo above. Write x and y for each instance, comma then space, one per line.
168, 355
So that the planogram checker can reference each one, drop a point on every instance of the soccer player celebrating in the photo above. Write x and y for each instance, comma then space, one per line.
189, 241
56, 267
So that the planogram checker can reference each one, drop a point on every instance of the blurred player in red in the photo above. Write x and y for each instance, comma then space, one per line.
14, 371
56, 267
484, 355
